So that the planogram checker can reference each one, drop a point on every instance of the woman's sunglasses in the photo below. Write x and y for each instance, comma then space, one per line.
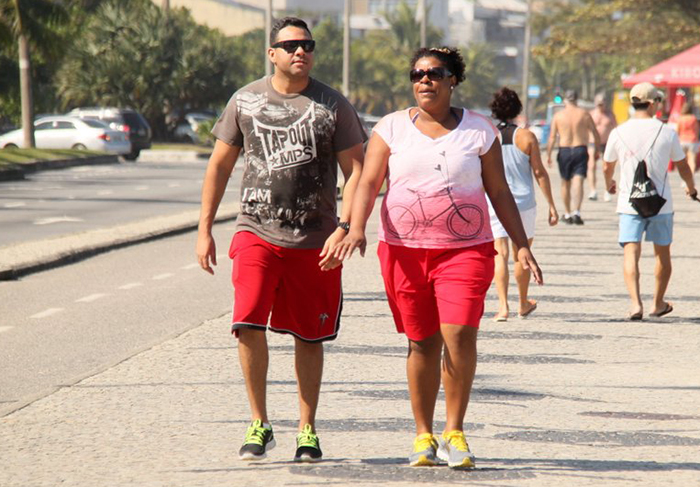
434, 74
291, 46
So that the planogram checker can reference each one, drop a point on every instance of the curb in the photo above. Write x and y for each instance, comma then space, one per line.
17, 171
24, 258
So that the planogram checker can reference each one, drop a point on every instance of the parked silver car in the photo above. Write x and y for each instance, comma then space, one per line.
188, 130
64, 132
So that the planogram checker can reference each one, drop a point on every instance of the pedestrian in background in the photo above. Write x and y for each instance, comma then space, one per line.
436, 247
295, 131
645, 140
572, 126
604, 121
521, 159
688, 134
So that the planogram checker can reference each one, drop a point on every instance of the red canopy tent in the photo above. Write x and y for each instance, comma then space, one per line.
679, 71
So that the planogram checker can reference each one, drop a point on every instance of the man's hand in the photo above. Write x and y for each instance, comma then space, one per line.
553, 216
527, 260
612, 186
328, 254
549, 160
206, 252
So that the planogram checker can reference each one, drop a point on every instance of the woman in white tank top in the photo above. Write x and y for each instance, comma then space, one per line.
521, 158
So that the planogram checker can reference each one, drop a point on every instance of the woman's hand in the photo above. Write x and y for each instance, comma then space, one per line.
527, 260
553, 216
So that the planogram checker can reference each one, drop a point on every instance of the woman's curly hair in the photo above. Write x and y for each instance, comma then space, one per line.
505, 104
449, 56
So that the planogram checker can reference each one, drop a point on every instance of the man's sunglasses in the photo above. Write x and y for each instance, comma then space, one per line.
434, 74
291, 46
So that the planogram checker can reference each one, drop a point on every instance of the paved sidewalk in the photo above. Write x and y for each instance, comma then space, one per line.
573, 395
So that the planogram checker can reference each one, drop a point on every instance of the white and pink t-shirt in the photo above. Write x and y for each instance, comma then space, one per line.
435, 196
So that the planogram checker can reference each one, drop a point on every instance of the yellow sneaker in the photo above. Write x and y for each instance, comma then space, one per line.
454, 450
424, 450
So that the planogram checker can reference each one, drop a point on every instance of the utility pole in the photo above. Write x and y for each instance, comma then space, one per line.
166, 5
423, 22
268, 28
346, 50
25, 83
526, 61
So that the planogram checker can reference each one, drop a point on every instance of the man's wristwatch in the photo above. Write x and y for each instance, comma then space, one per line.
344, 225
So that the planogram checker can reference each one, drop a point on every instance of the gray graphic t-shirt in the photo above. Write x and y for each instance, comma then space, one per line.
290, 172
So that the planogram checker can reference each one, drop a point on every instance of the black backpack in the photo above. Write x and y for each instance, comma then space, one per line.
644, 197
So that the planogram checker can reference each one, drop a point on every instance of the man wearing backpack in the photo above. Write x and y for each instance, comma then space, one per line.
645, 140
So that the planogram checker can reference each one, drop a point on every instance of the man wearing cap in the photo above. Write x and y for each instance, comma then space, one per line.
574, 126
604, 121
644, 138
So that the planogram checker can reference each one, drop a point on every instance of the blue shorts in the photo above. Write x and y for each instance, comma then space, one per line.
658, 228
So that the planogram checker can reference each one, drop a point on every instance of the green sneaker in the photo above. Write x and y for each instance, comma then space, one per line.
258, 441
455, 450
308, 446
424, 449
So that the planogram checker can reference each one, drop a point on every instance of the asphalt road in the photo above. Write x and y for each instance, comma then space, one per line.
53, 203
62, 325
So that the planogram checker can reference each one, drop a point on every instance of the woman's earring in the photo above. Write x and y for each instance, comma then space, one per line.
452, 87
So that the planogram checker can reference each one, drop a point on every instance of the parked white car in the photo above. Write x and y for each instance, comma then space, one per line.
64, 132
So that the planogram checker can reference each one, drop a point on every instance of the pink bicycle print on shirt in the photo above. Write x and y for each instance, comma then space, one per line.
464, 221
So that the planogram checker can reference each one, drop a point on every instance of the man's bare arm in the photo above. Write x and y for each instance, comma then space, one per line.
553, 132
221, 164
350, 161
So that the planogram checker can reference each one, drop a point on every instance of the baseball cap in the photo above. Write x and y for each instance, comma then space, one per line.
645, 93
571, 95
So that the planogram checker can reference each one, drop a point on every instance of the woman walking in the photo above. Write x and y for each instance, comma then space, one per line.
521, 158
436, 248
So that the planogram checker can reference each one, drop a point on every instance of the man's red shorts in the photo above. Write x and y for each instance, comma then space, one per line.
427, 287
304, 300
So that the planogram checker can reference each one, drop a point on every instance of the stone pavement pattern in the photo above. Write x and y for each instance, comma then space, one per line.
573, 395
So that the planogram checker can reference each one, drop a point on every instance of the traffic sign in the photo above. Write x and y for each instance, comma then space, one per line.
533, 91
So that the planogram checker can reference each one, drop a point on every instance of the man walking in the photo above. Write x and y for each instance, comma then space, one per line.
294, 131
645, 139
604, 121
574, 126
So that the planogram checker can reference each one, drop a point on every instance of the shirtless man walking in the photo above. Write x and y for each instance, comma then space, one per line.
573, 125
604, 121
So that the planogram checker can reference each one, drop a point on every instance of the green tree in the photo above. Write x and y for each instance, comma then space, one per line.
29, 23
594, 41
481, 77
328, 59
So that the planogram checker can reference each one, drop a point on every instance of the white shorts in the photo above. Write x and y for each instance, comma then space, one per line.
528, 217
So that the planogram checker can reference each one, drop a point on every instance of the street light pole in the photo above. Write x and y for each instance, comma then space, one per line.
526, 61
268, 28
346, 49
166, 5
423, 22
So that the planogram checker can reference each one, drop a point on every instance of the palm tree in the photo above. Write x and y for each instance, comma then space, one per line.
30, 23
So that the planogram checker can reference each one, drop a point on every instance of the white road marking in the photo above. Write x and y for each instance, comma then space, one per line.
131, 285
5, 328
56, 219
106, 192
189, 266
160, 277
47, 313
141, 188
14, 205
174, 185
90, 298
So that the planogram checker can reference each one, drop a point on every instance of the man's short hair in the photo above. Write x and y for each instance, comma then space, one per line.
286, 22
571, 95
641, 105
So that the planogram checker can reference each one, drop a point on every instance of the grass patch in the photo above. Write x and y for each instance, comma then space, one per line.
25, 156
184, 147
